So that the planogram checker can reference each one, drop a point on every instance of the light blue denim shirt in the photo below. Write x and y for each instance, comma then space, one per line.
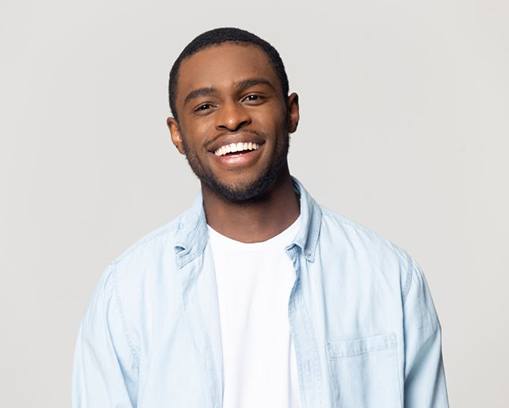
361, 316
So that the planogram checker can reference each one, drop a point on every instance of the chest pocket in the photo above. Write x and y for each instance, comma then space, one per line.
364, 372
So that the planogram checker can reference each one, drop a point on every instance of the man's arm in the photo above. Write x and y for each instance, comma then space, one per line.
105, 367
425, 383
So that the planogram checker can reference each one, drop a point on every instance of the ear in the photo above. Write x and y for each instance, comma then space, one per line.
176, 136
293, 112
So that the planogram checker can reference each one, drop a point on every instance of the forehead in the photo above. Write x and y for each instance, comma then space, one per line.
220, 66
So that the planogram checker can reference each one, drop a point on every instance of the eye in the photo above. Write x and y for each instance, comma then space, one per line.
253, 98
202, 107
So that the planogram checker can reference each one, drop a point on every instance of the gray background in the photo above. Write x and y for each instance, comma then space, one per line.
404, 128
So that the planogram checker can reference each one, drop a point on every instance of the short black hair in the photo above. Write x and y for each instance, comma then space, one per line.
218, 36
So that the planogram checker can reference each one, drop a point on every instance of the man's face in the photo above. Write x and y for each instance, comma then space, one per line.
229, 94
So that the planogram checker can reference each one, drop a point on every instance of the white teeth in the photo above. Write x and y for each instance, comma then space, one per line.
235, 147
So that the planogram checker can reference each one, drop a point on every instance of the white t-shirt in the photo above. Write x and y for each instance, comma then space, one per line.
254, 281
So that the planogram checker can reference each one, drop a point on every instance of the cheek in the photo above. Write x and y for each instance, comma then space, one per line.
279, 116
196, 134
270, 122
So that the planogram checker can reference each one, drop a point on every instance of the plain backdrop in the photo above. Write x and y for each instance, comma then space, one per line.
404, 129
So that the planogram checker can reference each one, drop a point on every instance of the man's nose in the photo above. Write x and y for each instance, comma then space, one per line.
233, 116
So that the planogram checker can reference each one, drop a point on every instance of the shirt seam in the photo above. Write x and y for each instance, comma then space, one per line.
130, 343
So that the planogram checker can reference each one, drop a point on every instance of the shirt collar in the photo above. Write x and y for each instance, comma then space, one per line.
192, 234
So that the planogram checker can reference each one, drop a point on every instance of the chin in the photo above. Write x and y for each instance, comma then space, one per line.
238, 191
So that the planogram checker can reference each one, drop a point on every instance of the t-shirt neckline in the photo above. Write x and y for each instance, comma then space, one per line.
277, 241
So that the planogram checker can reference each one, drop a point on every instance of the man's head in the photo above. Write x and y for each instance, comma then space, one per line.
229, 86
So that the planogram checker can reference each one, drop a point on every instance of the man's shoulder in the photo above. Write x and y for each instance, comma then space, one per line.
357, 249
356, 239
152, 247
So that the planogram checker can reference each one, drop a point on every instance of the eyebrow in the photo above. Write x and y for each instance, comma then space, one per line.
239, 86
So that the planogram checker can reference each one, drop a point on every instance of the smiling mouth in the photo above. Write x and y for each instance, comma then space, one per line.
236, 149
237, 155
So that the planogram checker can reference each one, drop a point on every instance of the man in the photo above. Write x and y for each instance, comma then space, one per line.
256, 296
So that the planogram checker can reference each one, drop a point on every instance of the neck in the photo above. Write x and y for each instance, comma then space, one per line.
253, 221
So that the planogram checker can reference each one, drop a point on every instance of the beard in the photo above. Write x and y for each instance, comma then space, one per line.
251, 192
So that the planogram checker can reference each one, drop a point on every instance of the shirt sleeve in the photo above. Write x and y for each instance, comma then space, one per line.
104, 369
425, 382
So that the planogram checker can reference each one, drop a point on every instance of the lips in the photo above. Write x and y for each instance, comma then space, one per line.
244, 137
238, 159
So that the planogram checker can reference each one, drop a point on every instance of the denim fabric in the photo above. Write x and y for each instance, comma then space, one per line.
365, 330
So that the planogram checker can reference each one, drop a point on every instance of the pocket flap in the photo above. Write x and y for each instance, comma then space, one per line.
354, 346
